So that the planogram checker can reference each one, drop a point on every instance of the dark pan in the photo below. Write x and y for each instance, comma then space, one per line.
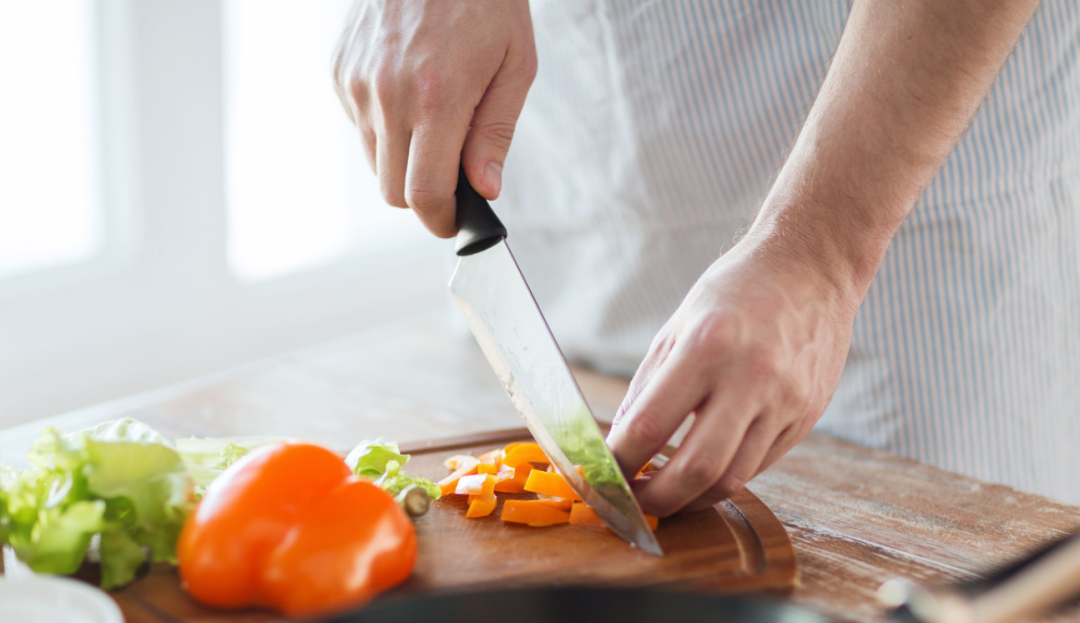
1036, 583
580, 605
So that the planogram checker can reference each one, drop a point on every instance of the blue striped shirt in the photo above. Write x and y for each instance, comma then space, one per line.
653, 131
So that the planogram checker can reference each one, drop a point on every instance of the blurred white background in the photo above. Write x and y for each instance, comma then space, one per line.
180, 192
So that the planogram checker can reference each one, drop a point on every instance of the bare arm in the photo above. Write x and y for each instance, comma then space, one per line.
756, 349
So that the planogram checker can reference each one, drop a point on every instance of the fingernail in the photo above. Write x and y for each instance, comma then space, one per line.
493, 177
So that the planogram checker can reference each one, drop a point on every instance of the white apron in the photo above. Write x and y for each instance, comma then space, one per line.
650, 137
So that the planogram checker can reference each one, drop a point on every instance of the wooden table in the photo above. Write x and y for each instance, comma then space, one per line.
857, 516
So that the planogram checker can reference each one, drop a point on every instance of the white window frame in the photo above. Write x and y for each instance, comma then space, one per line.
160, 304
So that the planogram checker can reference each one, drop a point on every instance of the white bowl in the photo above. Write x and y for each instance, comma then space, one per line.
44, 599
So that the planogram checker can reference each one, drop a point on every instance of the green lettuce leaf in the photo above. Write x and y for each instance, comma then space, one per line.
397, 483
206, 459
383, 462
119, 479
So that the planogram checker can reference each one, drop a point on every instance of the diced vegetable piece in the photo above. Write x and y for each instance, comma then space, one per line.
563, 504
654, 521
491, 457
648, 468
525, 453
481, 505
510, 446
512, 479
533, 512
583, 515
475, 484
486, 468
455, 462
467, 467
550, 483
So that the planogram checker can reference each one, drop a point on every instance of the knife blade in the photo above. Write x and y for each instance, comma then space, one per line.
516, 340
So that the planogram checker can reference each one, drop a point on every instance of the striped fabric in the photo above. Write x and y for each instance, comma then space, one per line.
652, 133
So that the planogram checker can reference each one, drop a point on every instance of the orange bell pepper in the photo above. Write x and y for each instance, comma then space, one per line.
512, 479
581, 514
457, 460
466, 466
550, 483
528, 452
289, 527
533, 512
475, 484
481, 505
563, 504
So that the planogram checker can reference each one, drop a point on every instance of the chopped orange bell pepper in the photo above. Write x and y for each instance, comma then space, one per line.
512, 480
491, 457
475, 484
533, 512
456, 461
583, 515
291, 528
466, 467
481, 505
489, 461
550, 483
563, 504
525, 453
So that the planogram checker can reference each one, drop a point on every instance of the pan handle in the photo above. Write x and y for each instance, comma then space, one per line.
478, 226
1036, 583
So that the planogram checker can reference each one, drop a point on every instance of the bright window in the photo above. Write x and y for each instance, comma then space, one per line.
50, 207
299, 192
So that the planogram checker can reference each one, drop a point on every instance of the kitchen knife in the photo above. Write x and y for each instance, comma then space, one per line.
517, 342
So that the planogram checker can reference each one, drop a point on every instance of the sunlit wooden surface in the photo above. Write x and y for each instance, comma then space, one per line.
857, 517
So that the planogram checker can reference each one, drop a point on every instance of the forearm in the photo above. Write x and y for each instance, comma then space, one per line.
904, 84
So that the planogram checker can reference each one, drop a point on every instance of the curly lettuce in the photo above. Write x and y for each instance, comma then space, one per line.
119, 480
382, 462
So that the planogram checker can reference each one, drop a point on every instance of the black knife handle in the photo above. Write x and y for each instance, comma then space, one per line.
478, 227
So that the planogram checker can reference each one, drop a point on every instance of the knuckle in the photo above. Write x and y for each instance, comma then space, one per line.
383, 85
430, 90
717, 334
699, 471
499, 132
425, 200
643, 428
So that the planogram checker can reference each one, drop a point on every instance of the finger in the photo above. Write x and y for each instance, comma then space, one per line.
493, 124
747, 463
659, 351
701, 460
432, 175
671, 395
391, 160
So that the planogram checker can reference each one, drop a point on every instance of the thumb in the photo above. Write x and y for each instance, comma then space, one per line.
492, 127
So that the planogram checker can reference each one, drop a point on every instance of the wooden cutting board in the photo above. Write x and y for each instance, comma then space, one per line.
737, 546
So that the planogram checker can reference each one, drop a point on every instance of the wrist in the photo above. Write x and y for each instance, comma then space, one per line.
823, 240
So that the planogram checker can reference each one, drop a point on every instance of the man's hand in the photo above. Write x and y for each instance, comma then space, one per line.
756, 350
430, 83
